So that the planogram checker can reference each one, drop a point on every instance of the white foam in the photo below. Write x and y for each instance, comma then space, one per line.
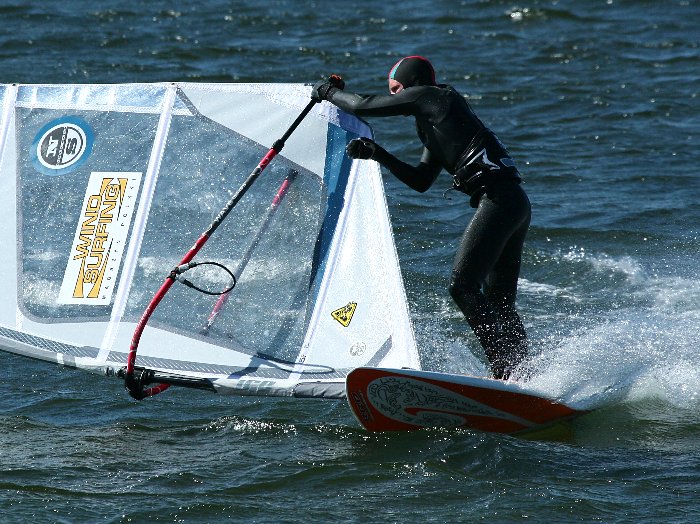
630, 356
539, 288
646, 346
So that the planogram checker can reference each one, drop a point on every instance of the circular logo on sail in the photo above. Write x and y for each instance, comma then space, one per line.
62, 145
358, 348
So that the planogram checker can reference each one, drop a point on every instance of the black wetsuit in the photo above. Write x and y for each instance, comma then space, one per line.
486, 268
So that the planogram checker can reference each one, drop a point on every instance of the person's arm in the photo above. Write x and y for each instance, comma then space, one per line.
410, 101
375, 105
404, 103
418, 178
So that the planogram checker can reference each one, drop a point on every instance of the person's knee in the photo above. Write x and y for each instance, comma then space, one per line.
464, 292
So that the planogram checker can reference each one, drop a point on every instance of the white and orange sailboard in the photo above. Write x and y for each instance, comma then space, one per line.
405, 399
103, 188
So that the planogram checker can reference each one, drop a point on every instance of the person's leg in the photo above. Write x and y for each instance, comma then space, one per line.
500, 286
500, 290
478, 251
498, 228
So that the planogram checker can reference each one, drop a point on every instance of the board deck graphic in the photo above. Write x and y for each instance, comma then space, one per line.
406, 399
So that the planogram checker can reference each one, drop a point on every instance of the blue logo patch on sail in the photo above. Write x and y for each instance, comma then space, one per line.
61, 146
100, 239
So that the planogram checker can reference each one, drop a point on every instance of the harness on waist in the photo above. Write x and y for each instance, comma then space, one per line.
484, 162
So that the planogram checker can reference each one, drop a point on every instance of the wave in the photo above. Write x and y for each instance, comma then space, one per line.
605, 331
639, 342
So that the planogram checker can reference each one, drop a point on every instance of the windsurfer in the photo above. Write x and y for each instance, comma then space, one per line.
487, 264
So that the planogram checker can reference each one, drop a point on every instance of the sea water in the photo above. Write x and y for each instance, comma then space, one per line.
598, 102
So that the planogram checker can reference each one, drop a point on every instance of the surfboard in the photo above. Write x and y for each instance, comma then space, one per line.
385, 399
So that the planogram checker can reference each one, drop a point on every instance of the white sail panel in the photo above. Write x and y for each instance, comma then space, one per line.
8, 210
246, 109
326, 257
360, 314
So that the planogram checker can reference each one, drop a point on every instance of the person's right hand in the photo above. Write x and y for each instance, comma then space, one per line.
321, 88
362, 148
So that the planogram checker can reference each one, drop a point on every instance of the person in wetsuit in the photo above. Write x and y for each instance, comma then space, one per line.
487, 264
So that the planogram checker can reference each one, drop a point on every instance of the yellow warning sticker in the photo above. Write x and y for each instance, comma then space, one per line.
345, 313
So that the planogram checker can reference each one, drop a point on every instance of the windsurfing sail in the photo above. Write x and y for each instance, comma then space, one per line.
104, 187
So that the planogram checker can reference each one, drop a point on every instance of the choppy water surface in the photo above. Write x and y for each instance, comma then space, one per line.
597, 101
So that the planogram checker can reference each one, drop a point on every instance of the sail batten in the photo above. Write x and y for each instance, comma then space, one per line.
10, 95
140, 218
105, 187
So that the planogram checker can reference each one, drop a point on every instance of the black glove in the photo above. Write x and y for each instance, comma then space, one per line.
337, 81
321, 88
362, 148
